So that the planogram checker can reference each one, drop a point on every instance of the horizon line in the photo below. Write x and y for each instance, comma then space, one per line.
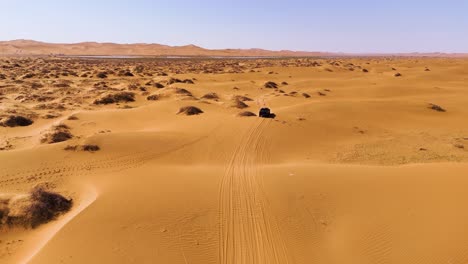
242, 49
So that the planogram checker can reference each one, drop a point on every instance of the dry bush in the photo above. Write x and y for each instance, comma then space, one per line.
28, 76
190, 110
15, 121
246, 114
437, 108
270, 85
188, 81
173, 80
158, 85
239, 104
90, 148
210, 96
242, 98
58, 134
101, 75
182, 91
116, 98
153, 97
71, 148
34, 209
306, 95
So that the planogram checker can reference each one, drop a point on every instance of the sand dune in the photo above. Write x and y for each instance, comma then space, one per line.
361, 170
31, 47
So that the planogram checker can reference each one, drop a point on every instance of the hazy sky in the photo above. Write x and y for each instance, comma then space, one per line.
325, 25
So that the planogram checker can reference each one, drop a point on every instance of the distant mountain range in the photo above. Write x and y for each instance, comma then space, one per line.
31, 47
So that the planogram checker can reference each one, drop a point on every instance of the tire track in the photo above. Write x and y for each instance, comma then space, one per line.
248, 232
114, 163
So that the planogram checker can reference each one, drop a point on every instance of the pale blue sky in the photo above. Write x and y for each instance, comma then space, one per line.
326, 25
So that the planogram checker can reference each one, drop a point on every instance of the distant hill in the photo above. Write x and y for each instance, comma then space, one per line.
31, 47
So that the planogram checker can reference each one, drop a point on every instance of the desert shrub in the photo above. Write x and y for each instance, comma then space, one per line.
270, 85
190, 110
28, 76
182, 91
90, 148
116, 98
306, 95
188, 81
71, 148
58, 134
45, 207
246, 114
158, 85
173, 80
242, 98
139, 68
210, 96
153, 97
101, 75
34, 209
14, 121
239, 104
437, 108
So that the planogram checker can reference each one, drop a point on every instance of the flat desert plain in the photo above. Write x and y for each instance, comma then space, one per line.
166, 160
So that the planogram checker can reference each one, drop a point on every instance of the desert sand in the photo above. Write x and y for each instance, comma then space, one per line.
365, 161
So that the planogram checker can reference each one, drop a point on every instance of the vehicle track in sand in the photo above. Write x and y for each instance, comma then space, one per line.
249, 233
